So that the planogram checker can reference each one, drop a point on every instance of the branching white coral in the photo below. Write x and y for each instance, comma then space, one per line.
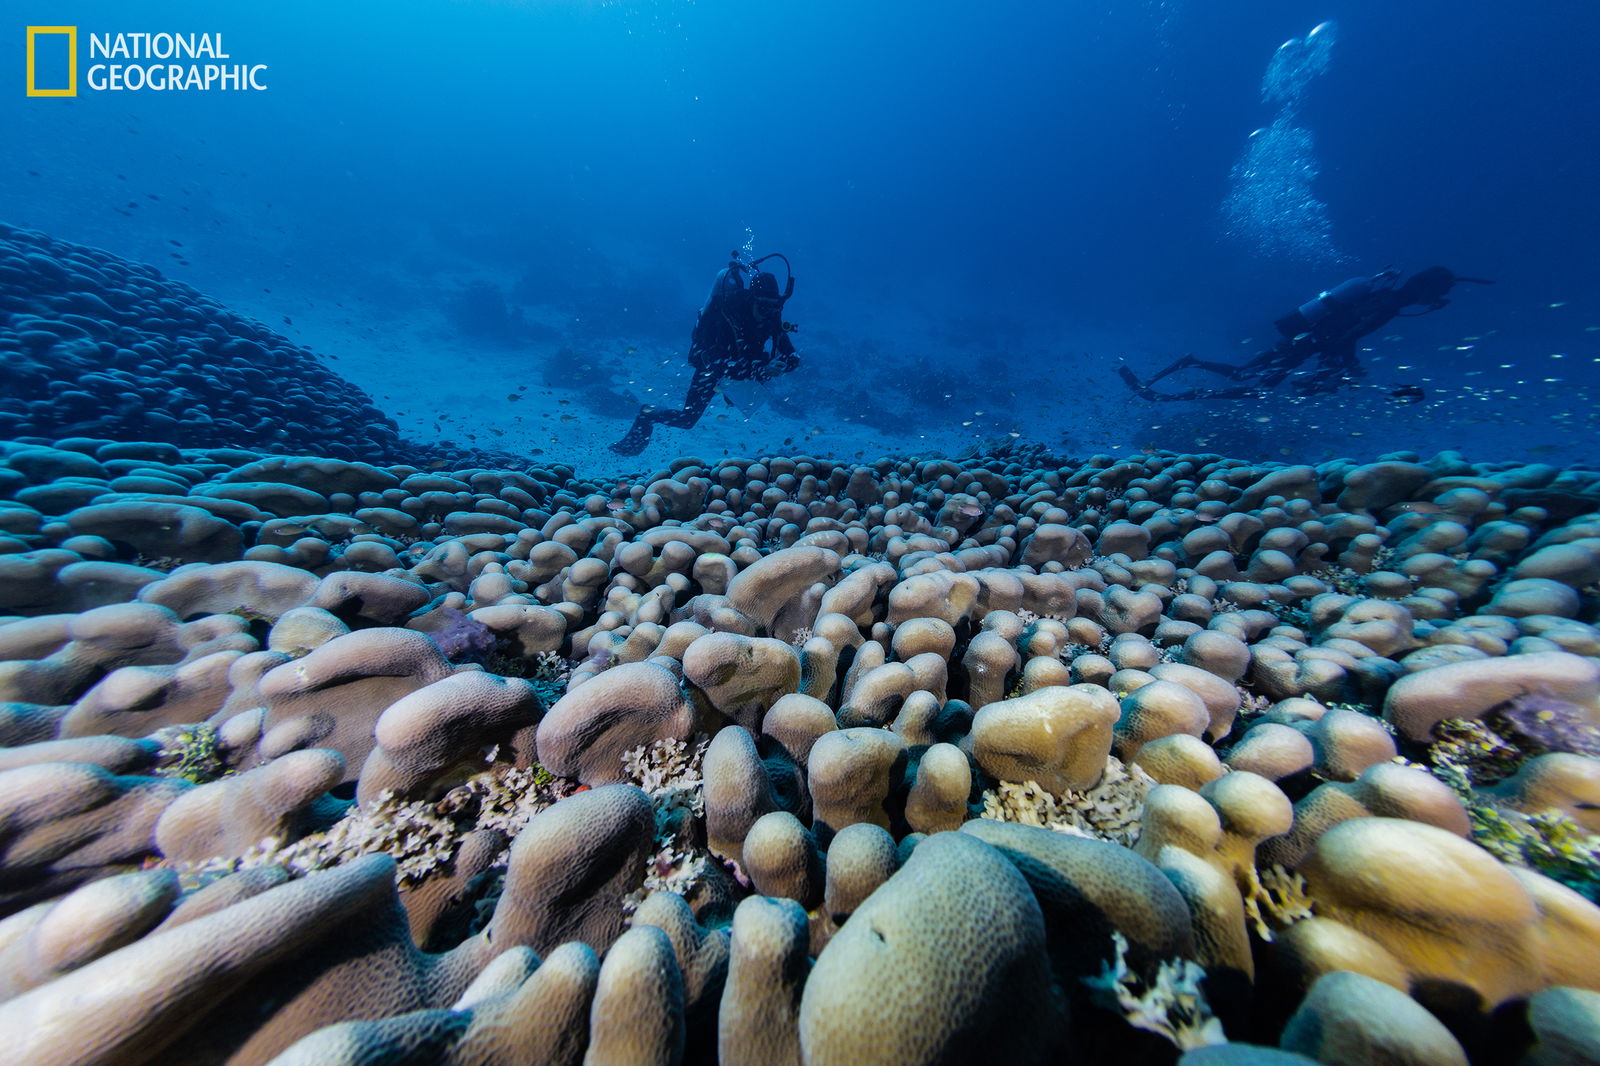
669, 771
667, 766
420, 835
550, 666
508, 798
1029, 804
1072, 650
1108, 811
1172, 1004
1275, 899
1252, 704
550, 676
672, 869
190, 752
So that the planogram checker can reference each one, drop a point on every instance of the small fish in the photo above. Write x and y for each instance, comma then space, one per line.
513, 396
33, 173
569, 418
286, 319
564, 403
175, 244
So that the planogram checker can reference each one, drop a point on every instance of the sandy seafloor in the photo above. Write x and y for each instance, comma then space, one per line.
1507, 398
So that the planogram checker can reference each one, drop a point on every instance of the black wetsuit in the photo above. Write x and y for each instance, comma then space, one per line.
731, 339
1326, 329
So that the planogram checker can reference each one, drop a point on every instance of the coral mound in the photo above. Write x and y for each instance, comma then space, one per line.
310, 759
94, 345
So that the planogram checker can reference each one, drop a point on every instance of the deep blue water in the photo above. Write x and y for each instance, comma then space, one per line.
985, 209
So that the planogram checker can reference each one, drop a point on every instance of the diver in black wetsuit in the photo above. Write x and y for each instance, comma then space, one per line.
743, 315
1327, 329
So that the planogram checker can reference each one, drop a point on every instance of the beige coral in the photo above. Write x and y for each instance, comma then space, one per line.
1058, 736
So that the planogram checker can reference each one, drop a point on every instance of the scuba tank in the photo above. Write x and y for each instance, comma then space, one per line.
1308, 315
739, 276
739, 290
730, 279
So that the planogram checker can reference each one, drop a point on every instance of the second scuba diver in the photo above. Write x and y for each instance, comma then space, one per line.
1325, 328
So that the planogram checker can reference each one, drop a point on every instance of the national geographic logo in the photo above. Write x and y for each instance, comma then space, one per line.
136, 62
71, 35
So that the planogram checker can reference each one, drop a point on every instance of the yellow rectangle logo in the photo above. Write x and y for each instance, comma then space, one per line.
71, 33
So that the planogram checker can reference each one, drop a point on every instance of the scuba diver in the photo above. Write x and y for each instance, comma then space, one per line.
743, 315
1327, 329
